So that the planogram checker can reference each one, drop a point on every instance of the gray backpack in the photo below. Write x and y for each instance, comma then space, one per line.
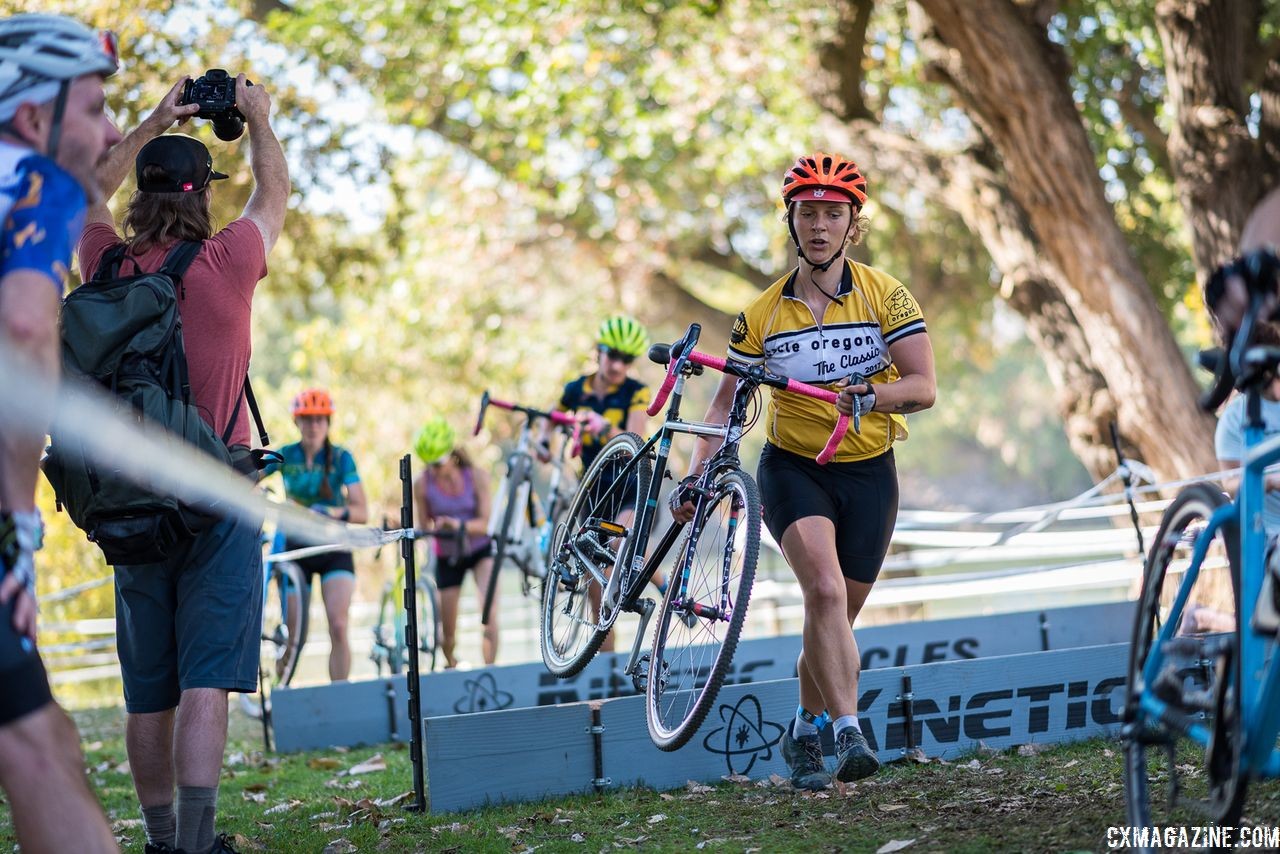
125, 334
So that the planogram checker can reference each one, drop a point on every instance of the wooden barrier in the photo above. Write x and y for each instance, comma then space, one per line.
373, 711
944, 709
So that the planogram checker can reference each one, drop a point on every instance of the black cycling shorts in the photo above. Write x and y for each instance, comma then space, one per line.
860, 498
322, 564
451, 570
24, 685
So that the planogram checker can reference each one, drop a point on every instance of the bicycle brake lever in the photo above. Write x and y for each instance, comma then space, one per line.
857, 379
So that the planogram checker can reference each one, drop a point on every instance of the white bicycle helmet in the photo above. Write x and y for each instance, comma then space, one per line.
39, 57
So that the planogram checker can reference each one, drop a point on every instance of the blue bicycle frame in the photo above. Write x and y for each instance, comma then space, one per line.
1259, 690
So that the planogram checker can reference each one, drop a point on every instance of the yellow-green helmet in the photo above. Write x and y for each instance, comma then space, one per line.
624, 334
435, 440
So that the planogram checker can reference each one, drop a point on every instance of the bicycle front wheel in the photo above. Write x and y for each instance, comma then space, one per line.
1169, 777
584, 551
703, 610
428, 622
509, 531
284, 622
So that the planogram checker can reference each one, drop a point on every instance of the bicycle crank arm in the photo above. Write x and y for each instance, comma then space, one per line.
645, 609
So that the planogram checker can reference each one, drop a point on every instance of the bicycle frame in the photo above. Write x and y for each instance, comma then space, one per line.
632, 569
1259, 679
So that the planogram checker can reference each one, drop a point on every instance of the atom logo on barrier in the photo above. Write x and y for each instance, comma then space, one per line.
745, 735
483, 695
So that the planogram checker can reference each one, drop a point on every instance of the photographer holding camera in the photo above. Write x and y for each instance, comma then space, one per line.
188, 628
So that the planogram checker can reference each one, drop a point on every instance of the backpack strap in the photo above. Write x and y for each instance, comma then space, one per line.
109, 266
263, 438
178, 260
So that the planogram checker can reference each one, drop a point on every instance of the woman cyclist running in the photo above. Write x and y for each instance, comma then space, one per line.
824, 322
322, 476
453, 495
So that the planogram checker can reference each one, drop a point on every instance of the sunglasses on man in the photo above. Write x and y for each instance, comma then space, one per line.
618, 355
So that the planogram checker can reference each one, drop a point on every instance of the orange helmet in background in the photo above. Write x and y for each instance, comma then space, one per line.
824, 178
313, 401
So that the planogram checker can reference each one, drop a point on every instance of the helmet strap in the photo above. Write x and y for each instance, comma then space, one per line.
55, 130
826, 265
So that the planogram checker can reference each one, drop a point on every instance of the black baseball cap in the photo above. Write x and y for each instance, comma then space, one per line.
184, 160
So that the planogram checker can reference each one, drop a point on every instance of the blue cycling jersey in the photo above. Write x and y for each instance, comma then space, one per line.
42, 209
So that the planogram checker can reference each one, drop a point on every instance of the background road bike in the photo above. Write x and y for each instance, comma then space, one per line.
521, 522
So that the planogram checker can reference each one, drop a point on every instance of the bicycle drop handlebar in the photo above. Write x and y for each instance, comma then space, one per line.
676, 355
560, 419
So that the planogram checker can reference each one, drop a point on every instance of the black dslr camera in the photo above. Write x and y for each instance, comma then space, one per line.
215, 92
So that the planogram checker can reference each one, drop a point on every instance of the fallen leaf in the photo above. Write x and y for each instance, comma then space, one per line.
657, 818
122, 768
324, 763
894, 845
244, 843
736, 778
237, 758
255, 797
704, 843
972, 764
339, 846
256, 787
577, 837
1032, 749
917, 755
636, 841
778, 780
373, 763
1106, 751
92, 746
282, 807
892, 807
1073, 763
665, 797
398, 799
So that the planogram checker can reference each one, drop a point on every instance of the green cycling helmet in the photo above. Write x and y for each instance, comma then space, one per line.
624, 334
435, 440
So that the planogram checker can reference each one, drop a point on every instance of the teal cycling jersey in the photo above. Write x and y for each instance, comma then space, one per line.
303, 477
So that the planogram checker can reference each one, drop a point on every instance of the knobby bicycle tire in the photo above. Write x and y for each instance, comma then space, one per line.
686, 645
566, 591
517, 477
287, 577
1219, 702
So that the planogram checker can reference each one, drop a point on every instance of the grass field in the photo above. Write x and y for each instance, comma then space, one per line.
1061, 799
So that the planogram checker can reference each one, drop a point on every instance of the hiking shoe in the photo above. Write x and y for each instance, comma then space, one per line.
160, 848
854, 757
803, 756
222, 844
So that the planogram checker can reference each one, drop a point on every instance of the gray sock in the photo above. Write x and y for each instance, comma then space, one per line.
161, 825
197, 807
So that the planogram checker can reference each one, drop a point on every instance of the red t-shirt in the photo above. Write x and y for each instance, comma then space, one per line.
215, 313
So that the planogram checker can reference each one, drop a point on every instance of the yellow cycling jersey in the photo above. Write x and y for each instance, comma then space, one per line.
871, 311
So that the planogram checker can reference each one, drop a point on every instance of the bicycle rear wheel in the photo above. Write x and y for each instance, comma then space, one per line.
1170, 778
587, 540
702, 613
509, 532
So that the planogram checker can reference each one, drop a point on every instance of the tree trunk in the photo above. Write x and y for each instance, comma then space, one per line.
1011, 78
1213, 157
980, 195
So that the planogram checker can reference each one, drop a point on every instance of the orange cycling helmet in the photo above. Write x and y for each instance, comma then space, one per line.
824, 177
313, 401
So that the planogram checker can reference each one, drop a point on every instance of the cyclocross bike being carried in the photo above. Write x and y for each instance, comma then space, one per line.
1202, 708
520, 521
601, 561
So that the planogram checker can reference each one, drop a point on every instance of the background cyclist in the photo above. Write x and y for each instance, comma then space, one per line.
453, 495
609, 401
54, 131
322, 476
820, 323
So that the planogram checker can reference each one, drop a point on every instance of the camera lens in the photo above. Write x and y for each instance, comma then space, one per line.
228, 128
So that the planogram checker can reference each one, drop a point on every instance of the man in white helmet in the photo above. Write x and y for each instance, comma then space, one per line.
54, 131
